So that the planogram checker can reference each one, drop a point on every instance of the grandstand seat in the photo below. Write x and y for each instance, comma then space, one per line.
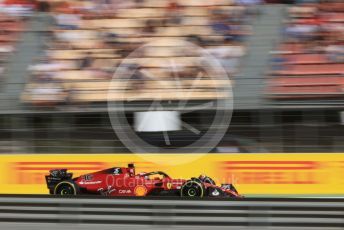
313, 69
299, 92
306, 81
306, 58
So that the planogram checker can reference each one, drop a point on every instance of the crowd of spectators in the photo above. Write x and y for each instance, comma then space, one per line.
310, 61
89, 39
12, 24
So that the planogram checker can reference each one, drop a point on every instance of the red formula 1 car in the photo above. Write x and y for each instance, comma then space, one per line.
119, 181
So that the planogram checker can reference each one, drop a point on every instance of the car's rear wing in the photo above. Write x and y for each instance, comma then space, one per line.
56, 176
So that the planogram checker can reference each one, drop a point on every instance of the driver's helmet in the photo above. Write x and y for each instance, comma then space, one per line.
202, 177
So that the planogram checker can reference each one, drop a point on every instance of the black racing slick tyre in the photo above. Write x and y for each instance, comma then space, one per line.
66, 188
192, 188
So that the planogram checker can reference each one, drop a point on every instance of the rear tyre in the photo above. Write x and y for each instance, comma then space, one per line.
66, 188
192, 189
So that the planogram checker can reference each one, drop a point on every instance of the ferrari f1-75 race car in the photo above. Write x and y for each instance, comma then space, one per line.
121, 181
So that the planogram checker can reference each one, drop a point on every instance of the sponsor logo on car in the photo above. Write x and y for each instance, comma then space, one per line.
140, 190
88, 177
125, 191
90, 182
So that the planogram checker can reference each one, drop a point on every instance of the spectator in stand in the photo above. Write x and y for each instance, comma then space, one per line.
230, 32
221, 28
306, 1
173, 13
48, 65
137, 78
302, 32
68, 21
132, 72
335, 52
228, 56
17, 7
109, 38
251, 6
149, 28
235, 33
6, 48
87, 61
108, 5
249, 2
139, 3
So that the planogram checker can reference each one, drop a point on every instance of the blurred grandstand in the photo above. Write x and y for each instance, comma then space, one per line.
58, 58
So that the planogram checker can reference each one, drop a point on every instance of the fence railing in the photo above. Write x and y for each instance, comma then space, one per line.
103, 213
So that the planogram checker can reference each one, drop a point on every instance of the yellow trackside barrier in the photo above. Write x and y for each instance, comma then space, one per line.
259, 174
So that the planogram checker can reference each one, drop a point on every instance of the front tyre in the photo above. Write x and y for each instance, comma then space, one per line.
65, 188
192, 189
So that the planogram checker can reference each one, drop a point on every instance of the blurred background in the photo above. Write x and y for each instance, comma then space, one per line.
284, 59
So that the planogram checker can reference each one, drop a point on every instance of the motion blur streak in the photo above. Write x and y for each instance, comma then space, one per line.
253, 174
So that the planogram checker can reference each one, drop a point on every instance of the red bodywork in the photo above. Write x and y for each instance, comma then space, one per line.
126, 183
121, 181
